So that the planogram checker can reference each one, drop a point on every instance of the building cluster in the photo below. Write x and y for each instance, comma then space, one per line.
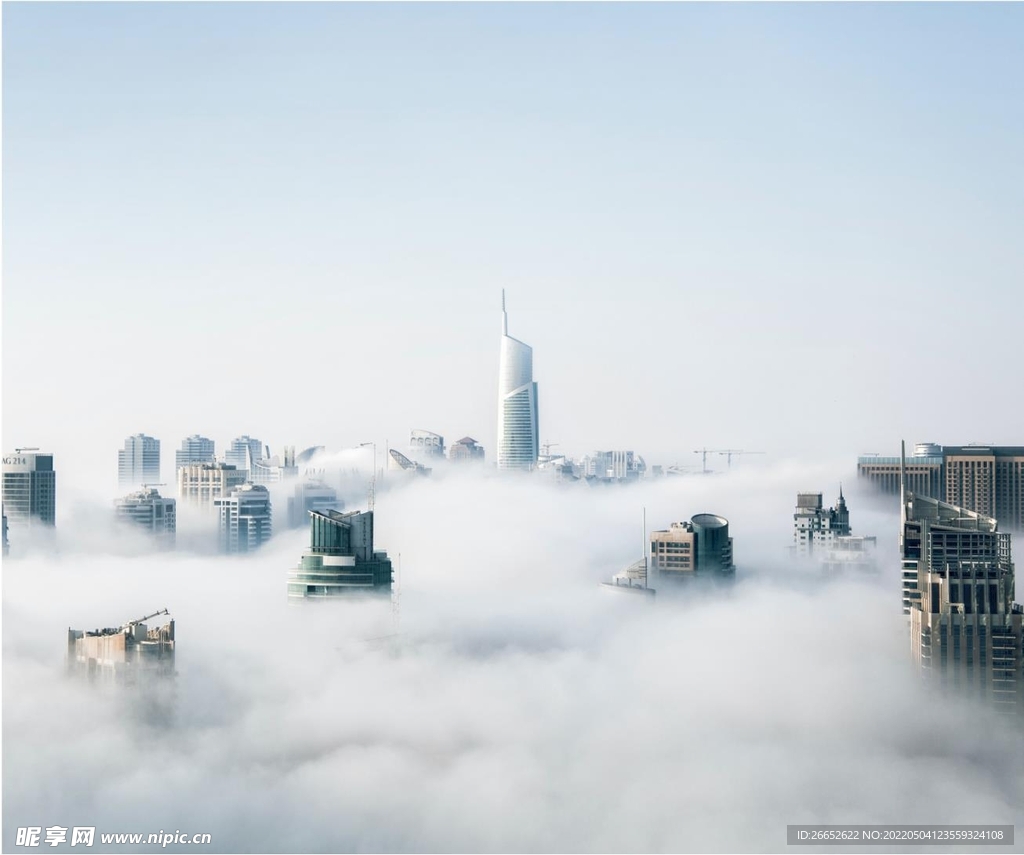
824, 535
983, 478
126, 655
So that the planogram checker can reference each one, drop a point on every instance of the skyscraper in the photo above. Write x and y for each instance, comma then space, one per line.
201, 483
30, 488
958, 589
816, 528
242, 450
138, 462
194, 449
518, 433
245, 518
150, 511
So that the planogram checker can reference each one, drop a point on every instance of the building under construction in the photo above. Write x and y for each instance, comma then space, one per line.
127, 654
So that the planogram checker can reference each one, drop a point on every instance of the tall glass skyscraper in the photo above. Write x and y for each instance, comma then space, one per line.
518, 434
139, 461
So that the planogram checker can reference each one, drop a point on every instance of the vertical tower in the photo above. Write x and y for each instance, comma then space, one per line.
518, 434
139, 461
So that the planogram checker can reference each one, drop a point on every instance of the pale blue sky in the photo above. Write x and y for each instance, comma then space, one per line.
767, 226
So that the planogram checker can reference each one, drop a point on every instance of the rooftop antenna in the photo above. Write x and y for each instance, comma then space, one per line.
644, 543
504, 315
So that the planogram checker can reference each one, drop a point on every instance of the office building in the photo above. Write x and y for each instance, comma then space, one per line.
518, 432
242, 450
423, 443
613, 466
465, 450
341, 560
981, 478
271, 470
201, 484
850, 556
7, 545
958, 589
129, 654
311, 495
245, 518
139, 461
686, 550
150, 511
30, 487
194, 449
815, 528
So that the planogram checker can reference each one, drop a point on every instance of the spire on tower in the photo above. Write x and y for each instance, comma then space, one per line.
504, 314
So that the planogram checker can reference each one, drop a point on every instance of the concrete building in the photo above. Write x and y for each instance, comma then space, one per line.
518, 427
341, 560
30, 487
423, 443
311, 495
981, 478
816, 528
125, 655
272, 470
194, 449
242, 450
138, 462
150, 511
850, 556
613, 466
201, 484
700, 547
245, 518
465, 450
633, 579
958, 589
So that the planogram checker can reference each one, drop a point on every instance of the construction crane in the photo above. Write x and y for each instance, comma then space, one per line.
728, 452
546, 448
147, 617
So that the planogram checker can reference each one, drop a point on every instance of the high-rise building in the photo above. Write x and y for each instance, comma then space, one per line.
139, 461
982, 478
423, 443
341, 560
271, 470
311, 495
30, 487
7, 545
518, 433
245, 518
150, 511
242, 450
613, 466
958, 589
850, 555
129, 654
465, 450
202, 483
194, 449
816, 528
686, 550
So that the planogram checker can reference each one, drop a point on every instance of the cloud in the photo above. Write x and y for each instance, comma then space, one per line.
521, 707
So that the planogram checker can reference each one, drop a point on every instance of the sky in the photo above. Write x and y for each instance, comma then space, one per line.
791, 229
765, 227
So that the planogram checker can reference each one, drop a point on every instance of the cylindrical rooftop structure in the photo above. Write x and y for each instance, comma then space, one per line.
927, 449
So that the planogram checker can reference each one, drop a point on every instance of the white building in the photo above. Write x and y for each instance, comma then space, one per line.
245, 518
271, 470
614, 466
202, 483
151, 512
423, 443
138, 462
815, 528
311, 495
242, 450
518, 433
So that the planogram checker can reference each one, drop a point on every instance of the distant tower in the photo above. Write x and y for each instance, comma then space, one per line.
194, 449
138, 462
518, 434
242, 450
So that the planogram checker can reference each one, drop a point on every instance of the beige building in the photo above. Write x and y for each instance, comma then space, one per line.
989, 480
965, 628
124, 654
201, 483
700, 547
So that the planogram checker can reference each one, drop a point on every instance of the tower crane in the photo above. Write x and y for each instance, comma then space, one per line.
728, 452
147, 617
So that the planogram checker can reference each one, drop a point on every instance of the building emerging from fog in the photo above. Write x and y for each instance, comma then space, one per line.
271, 470
201, 484
245, 518
7, 545
816, 528
311, 495
30, 487
398, 462
986, 479
518, 432
613, 466
465, 450
138, 462
150, 511
687, 550
125, 655
194, 449
242, 450
423, 443
341, 560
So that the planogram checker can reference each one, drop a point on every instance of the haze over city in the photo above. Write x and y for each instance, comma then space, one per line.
786, 229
